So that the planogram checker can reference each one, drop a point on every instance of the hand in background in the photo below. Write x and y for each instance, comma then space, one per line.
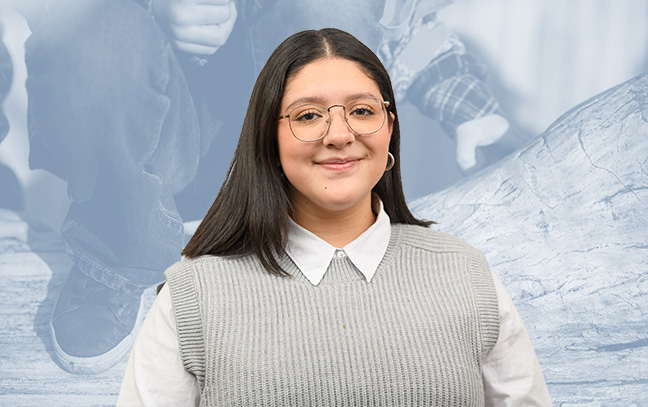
475, 133
196, 26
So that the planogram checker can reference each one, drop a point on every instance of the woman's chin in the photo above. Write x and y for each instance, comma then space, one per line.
342, 203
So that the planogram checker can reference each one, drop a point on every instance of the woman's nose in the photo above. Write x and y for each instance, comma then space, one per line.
339, 134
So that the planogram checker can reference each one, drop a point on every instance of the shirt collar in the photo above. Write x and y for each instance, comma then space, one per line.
313, 255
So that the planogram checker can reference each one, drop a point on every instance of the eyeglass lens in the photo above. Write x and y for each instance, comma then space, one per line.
310, 122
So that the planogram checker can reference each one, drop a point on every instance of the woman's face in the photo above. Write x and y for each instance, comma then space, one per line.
337, 172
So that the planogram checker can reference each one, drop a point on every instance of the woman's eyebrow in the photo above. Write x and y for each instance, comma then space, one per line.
305, 100
321, 101
362, 95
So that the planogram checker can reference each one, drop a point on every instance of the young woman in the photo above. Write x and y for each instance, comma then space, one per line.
309, 282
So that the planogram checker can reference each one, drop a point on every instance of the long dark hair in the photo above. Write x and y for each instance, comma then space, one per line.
252, 209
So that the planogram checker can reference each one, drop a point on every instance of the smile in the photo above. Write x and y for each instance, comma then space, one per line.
337, 164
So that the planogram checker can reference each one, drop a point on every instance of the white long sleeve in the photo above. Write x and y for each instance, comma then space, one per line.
511, 372
155, 375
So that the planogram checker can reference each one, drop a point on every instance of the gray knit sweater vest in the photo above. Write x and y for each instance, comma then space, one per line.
414, 336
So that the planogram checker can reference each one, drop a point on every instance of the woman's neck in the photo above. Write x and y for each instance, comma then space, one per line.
336, 227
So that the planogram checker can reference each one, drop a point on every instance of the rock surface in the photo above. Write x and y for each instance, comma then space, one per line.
564, 224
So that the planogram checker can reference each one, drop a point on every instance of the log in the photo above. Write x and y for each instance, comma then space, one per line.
564, 224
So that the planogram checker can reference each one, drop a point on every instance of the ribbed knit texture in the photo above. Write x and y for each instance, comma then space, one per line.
415, 336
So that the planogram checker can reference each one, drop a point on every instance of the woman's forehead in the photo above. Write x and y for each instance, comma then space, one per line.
329, 80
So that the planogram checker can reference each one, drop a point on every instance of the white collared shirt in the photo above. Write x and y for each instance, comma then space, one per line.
155, 374
312, 255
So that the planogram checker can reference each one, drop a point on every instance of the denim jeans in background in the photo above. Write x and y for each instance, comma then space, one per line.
128, 123
110, 112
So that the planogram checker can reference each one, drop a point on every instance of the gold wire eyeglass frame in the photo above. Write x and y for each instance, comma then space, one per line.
384, 105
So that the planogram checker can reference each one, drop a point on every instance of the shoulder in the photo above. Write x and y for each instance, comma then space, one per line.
211, 264
427, 239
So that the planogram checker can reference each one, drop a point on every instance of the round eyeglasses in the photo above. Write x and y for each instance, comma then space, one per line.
310, 122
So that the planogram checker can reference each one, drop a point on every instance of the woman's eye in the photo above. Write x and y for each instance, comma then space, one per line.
362, 111
307, 116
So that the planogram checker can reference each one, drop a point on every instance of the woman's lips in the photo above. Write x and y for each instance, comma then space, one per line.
337, 164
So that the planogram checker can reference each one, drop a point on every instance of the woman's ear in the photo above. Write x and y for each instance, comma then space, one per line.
391, 122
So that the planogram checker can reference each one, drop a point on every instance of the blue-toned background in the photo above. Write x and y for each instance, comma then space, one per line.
563, 219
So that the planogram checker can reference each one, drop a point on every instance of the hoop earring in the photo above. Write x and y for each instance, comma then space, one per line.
390, 161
